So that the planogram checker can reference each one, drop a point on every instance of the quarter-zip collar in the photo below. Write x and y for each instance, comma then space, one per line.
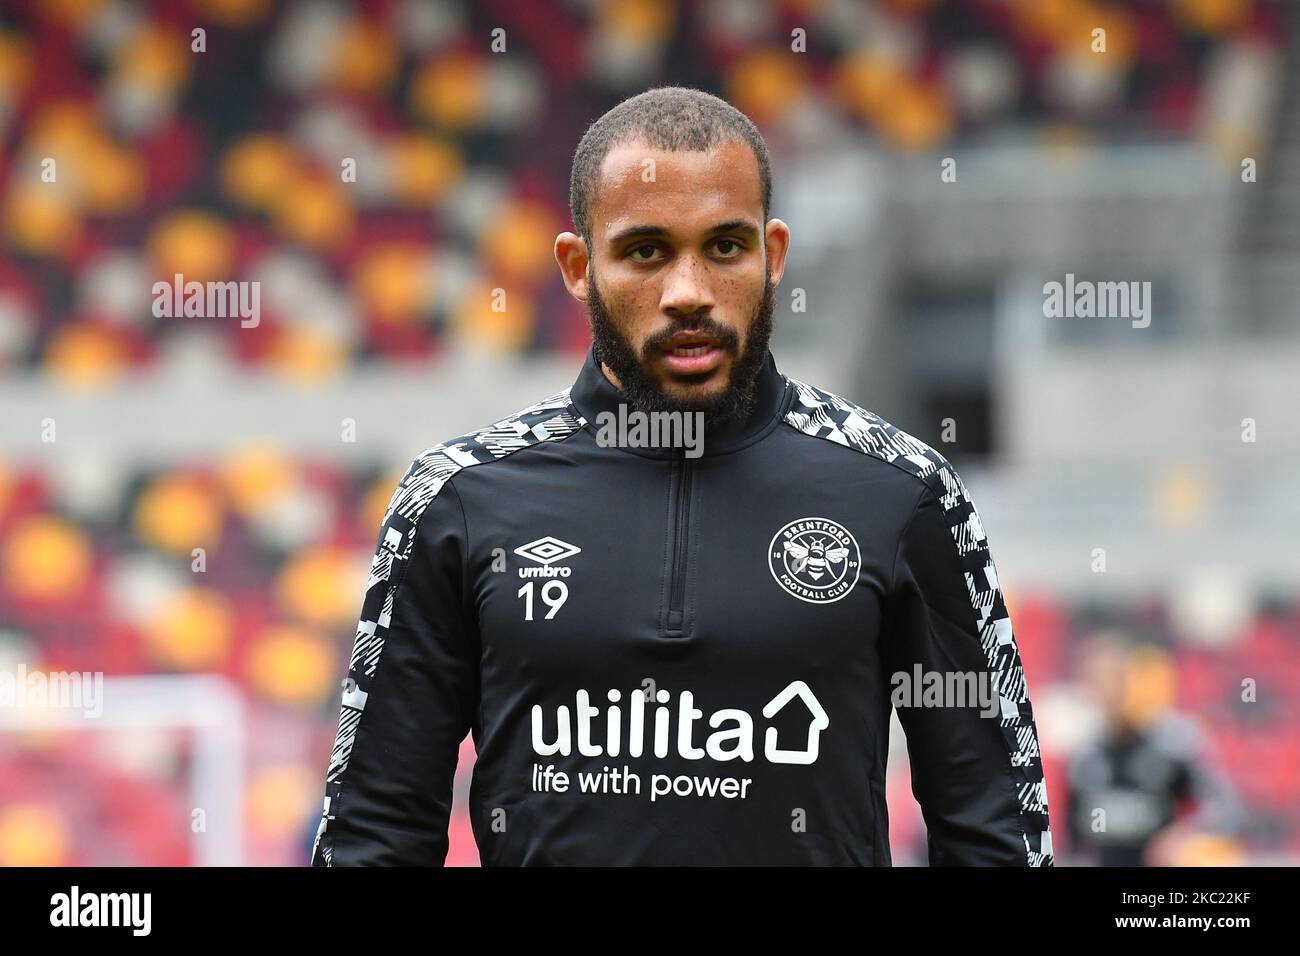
593, 394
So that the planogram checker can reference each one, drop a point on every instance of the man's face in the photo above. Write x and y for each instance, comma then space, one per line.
679, 284
634, 368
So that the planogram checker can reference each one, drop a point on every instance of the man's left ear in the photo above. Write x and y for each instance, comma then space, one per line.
776, 242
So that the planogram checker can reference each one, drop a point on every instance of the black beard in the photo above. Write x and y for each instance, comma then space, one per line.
643, 391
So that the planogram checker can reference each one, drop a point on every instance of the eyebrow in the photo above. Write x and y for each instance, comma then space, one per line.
744, 226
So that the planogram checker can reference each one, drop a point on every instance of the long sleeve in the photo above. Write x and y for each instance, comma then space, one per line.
976, 772
411, 692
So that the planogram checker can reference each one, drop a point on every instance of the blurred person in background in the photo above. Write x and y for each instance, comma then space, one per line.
1147, 792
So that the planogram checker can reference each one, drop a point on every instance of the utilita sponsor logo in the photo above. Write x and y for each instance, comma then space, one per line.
732, 737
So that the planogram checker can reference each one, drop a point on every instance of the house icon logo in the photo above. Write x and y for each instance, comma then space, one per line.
819, 723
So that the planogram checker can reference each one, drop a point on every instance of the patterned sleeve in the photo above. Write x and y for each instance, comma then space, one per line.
411, 692
976, 768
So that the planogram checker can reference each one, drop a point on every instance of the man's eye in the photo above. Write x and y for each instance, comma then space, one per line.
649, 251
728, 248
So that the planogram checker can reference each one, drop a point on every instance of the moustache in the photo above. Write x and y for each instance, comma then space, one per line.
727, 338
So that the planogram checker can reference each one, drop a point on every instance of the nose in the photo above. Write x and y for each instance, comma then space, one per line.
686, 288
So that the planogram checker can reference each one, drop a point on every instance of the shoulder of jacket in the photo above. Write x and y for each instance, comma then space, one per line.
822, 414
552, 419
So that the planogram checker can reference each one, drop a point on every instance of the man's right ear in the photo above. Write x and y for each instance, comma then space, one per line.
572, 257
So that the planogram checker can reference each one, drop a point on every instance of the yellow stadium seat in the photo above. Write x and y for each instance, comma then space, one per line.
177, 513
46, 558
192, 631
292, 666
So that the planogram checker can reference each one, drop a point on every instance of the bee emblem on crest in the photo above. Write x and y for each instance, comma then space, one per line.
816, 558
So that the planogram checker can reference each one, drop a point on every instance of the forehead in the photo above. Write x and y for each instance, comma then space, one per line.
679, 190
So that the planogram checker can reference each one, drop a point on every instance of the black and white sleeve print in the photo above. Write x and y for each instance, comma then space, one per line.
979, 780
411, 692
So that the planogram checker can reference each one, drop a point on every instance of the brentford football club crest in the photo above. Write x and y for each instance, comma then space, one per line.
815, 559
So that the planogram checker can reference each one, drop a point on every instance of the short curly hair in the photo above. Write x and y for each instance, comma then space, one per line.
666, 117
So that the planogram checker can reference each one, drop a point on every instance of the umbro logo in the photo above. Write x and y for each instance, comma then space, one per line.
547, 550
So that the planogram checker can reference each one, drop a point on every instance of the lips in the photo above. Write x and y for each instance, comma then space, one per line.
693, 352
691, 343
697, 356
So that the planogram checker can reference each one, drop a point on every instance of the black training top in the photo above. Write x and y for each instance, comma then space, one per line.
672, 658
